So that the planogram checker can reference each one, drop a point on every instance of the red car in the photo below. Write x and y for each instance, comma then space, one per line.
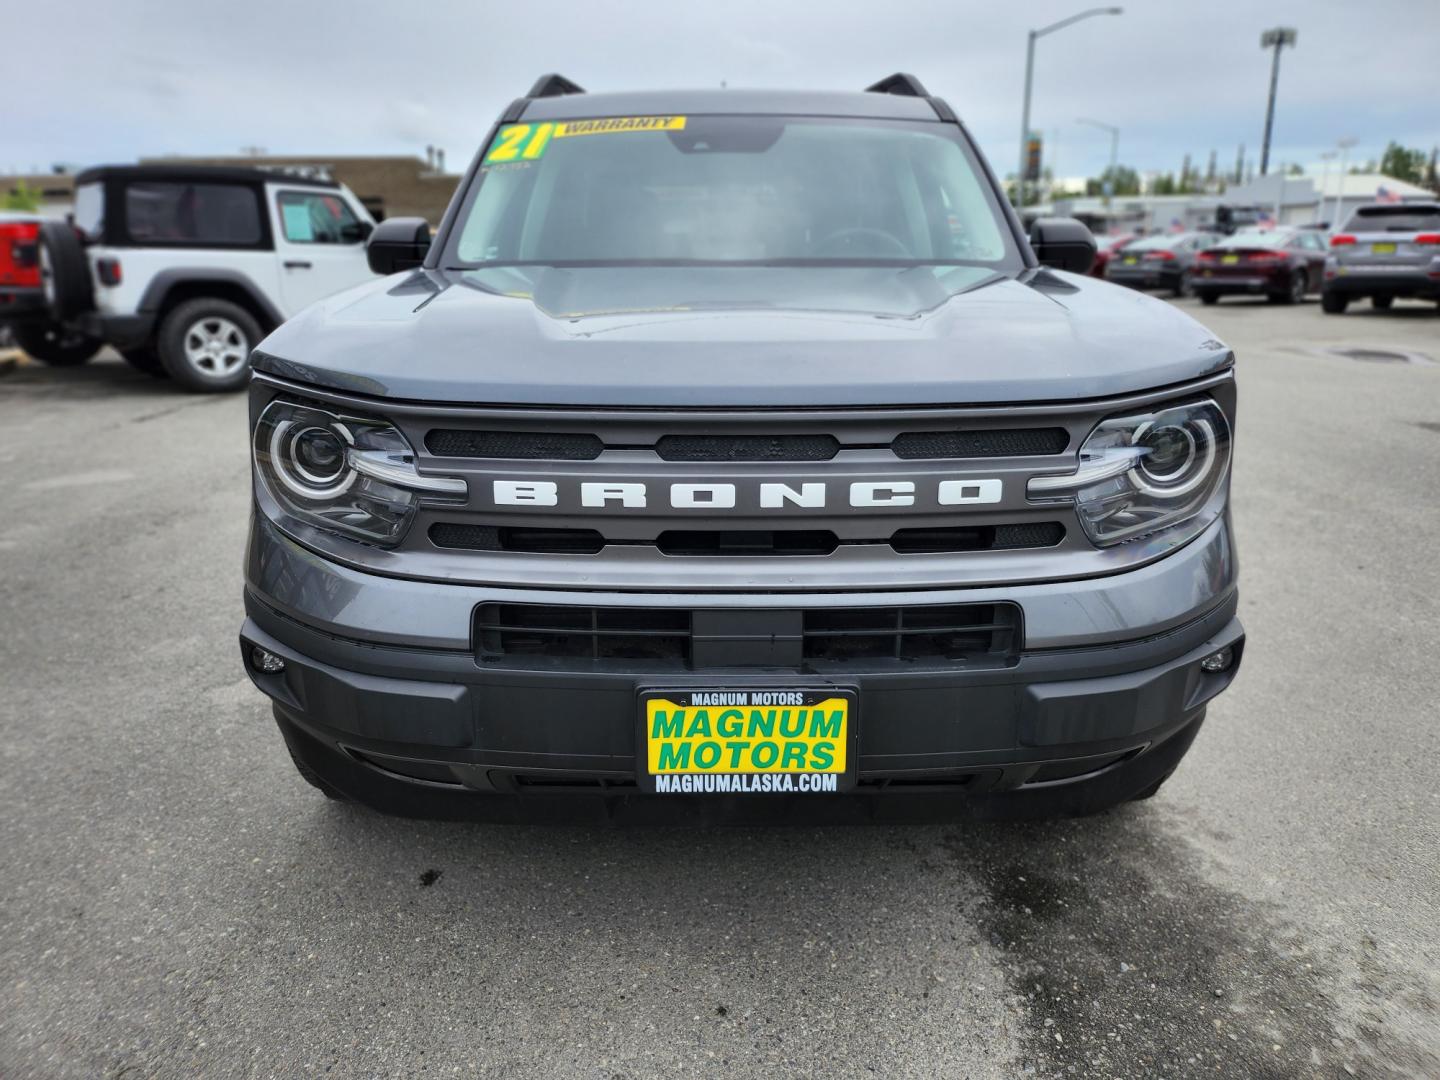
1105, 246
1283, 264
19, 264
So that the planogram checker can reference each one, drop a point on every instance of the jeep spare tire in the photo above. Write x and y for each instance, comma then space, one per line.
54, 345
64, 272
205, 344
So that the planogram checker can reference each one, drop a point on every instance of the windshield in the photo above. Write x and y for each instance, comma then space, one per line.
727, 190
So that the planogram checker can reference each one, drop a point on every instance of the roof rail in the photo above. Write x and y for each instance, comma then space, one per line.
553, 85
899, 83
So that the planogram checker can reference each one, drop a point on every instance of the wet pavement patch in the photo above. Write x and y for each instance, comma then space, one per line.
1372, 355
1130, 964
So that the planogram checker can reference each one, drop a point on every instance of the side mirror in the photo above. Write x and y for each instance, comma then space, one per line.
398, 244
1063, 243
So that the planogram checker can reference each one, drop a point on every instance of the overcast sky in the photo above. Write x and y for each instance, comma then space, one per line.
90, 81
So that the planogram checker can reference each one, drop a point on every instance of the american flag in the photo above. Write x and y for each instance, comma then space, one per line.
1385, 195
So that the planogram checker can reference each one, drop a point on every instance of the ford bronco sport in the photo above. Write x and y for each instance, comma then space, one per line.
729, 450
184, 268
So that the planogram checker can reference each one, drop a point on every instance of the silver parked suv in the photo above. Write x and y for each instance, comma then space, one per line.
732, 450
1385, 250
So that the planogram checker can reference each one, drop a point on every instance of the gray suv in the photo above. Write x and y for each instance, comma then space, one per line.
1385, 250
725, 452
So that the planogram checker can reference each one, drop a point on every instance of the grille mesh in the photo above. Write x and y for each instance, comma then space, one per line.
541, 635
972, 444
533, 446
747, 447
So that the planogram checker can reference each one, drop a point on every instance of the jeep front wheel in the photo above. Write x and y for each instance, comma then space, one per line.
205, 344
50, 344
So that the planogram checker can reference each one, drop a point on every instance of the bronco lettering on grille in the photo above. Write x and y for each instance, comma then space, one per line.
637, 495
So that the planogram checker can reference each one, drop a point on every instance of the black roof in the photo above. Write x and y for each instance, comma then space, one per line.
854, 104
180, 171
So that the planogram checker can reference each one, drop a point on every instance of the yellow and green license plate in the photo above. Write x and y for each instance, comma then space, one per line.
1382, 249
1229, 260
1131, 260
747, 740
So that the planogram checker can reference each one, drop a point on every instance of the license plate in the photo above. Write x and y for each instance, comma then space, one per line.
1130, 260
1382, 249
747, 740
1230, 260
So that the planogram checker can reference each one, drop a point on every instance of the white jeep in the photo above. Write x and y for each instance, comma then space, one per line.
184, 268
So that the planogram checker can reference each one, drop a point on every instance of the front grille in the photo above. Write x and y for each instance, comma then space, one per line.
932, 632
698, 542
747, 447
452, 534
540, 634
582, 633
747, 542
528, 445
1008, 537
915, 445
586, 446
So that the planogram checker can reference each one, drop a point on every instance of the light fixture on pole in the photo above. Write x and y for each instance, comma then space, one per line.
1034, 35
1275, 39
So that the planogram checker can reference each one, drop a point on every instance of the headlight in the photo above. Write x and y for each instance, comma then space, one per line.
348, 474
1143, 473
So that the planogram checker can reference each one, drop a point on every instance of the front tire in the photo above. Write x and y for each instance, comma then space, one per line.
53, 345
1208, 298
1333, 303
204, 344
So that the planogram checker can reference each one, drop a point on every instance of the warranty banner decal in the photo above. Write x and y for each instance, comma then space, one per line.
528, 142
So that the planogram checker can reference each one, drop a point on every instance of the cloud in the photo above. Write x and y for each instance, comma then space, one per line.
367, 77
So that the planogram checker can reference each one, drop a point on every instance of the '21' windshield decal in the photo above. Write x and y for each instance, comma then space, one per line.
527, 142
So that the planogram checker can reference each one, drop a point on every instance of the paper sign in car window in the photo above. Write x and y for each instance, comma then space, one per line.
527, 142
298, 228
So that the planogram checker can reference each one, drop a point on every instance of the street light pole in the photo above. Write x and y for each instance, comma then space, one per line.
1345, 144
1030, 40
1327, 157
1276, 39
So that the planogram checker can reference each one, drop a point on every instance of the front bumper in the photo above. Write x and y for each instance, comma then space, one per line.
383, 672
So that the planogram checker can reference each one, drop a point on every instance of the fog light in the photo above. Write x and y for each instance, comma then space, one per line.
267, 662
1218, 661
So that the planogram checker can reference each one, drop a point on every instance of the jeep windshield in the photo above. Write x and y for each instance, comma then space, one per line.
703, 191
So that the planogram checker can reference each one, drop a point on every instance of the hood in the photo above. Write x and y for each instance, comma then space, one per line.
740, 336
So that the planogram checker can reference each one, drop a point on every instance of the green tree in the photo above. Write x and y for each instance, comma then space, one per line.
1164, 185
1126, 181
21, 197
1403, 163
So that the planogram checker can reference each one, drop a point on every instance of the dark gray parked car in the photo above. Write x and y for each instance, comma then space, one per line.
735, 450
1163, 261
1384, 251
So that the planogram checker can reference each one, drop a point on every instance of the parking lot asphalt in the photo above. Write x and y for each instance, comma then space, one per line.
175, 901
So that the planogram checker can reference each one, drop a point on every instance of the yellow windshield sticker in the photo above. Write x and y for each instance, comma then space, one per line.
619, 123
527, 142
